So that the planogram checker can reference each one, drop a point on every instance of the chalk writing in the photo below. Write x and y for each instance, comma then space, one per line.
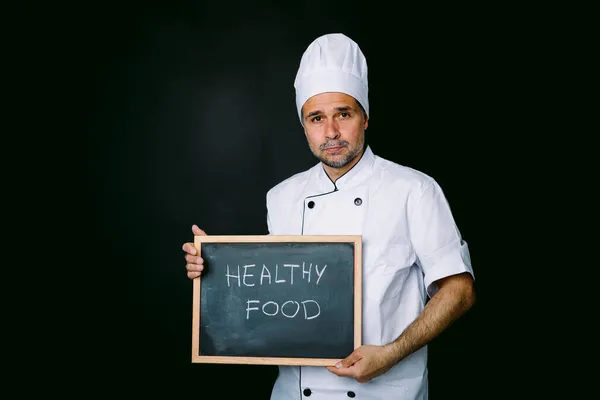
271, 308
241, 275
236, 275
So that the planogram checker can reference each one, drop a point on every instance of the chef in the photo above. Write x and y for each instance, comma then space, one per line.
417, 274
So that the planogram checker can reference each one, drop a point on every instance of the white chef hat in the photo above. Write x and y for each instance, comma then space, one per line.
332, 63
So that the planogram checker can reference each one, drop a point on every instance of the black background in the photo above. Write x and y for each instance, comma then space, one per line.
178, 113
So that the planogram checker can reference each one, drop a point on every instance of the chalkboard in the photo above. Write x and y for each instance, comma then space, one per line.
276, 299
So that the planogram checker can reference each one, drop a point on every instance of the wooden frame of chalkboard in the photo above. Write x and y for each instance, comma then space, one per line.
222, 329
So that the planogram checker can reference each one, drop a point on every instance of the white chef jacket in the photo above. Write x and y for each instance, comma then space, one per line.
409, 240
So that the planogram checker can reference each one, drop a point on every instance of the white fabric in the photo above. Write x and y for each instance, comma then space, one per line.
409, 240
332, 63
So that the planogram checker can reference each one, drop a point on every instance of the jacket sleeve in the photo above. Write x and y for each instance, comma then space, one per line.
269, 213
440, 249
269, 226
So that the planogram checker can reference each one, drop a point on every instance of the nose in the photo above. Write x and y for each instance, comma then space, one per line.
331, 129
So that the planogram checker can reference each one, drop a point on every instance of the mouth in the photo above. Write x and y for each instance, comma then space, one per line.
334, 150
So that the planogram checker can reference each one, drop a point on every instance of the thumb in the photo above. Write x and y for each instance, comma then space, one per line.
197, 231
349, 361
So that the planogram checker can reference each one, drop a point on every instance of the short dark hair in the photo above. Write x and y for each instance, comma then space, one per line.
361, 108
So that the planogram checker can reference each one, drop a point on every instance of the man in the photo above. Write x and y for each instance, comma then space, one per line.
412, 248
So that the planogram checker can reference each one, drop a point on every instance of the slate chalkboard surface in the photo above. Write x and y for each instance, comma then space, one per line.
283, 300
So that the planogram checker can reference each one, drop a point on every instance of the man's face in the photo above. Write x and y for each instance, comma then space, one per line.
334, 125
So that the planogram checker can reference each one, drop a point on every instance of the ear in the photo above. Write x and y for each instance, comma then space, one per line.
366, 122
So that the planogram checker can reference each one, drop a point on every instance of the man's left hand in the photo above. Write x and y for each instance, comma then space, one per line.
365, 363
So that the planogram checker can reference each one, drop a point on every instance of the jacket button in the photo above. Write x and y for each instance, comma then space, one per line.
358, 201
351, 394
307, 392
311, 204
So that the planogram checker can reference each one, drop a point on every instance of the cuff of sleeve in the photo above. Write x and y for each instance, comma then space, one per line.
453, 263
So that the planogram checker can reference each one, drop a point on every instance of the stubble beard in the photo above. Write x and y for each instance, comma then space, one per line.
342, 162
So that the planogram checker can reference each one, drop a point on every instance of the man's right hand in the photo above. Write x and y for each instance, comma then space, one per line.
195, 263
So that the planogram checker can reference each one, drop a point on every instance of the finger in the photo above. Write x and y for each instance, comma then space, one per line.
193, 259
349, 361
194, 267
351, 371
193, 275
197, 231
189, 248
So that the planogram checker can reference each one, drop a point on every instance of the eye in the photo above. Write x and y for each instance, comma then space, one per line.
345, 115
316, 119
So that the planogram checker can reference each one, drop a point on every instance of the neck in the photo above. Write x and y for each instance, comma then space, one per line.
335, 173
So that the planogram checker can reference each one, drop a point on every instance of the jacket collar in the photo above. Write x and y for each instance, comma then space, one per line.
353, 177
